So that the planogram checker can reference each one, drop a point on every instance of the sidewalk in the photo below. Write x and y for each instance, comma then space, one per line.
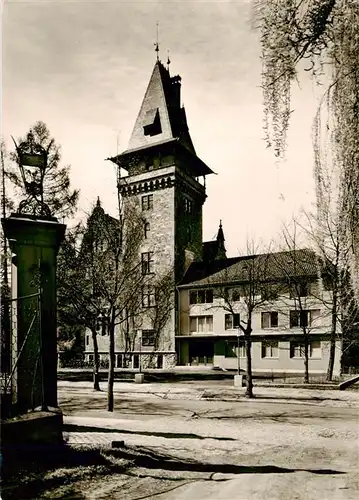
221, 391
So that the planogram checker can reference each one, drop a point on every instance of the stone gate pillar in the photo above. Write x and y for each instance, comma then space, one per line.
35, 241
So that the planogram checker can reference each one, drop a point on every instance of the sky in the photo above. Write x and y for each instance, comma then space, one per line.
83, 66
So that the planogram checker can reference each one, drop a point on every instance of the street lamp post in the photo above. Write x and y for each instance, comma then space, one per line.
139, 377
139, 333
238, 379
238, 353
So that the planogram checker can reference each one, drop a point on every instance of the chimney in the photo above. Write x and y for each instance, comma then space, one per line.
176, 91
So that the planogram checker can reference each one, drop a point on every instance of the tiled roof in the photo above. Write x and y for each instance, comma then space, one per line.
270, 266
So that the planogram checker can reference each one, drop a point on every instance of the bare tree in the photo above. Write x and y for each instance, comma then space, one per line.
299, 270
158, 301
117, 272
6, 205
77, 302
250, 277
336, 292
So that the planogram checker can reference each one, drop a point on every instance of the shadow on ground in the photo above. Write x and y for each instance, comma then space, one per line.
28, 472
169, 435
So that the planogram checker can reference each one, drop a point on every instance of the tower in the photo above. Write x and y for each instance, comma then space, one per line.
166, 178
165, 174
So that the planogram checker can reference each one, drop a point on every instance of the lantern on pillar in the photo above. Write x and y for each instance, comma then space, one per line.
32, 162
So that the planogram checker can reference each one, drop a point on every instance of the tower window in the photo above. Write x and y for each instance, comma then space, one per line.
147, 262
148, 296
189, 235
152, 122
188, 206
147, 228
147, 202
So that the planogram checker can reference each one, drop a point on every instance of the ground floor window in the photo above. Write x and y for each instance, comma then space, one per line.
231, 350
297, 349
201, 352
159, 361
119, 361
270, 349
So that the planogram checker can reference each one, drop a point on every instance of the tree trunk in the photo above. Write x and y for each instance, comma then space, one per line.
249, 381
96, 365
333, 334
111, 366
306, 358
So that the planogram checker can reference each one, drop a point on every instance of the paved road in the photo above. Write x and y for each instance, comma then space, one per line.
211, 441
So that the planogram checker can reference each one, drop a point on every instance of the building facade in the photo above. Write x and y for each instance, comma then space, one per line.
161, 173
209, 326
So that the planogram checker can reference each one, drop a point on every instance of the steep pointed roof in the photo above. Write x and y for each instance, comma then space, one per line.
161, 117
161, 126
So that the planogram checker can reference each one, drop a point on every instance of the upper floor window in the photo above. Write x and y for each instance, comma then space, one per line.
147, 262
201, 297
200, 324
231, 321
147, 202
188, 206
147, 228
298, 290
148, 337
270, 349
148, 296
269, 293
236, 294
269, 319
303, 318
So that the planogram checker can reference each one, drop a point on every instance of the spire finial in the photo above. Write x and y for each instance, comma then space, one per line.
220, 222
168, 60
98, 202
157, 45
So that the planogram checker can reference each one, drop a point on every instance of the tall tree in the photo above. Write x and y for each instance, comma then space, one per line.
249, 276
58, 194
106, 278
78, 305
335, 292
300, 271
158, 302
6, 206
321, 37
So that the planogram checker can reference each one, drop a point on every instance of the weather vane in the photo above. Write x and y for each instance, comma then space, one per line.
157, 45
168, 60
